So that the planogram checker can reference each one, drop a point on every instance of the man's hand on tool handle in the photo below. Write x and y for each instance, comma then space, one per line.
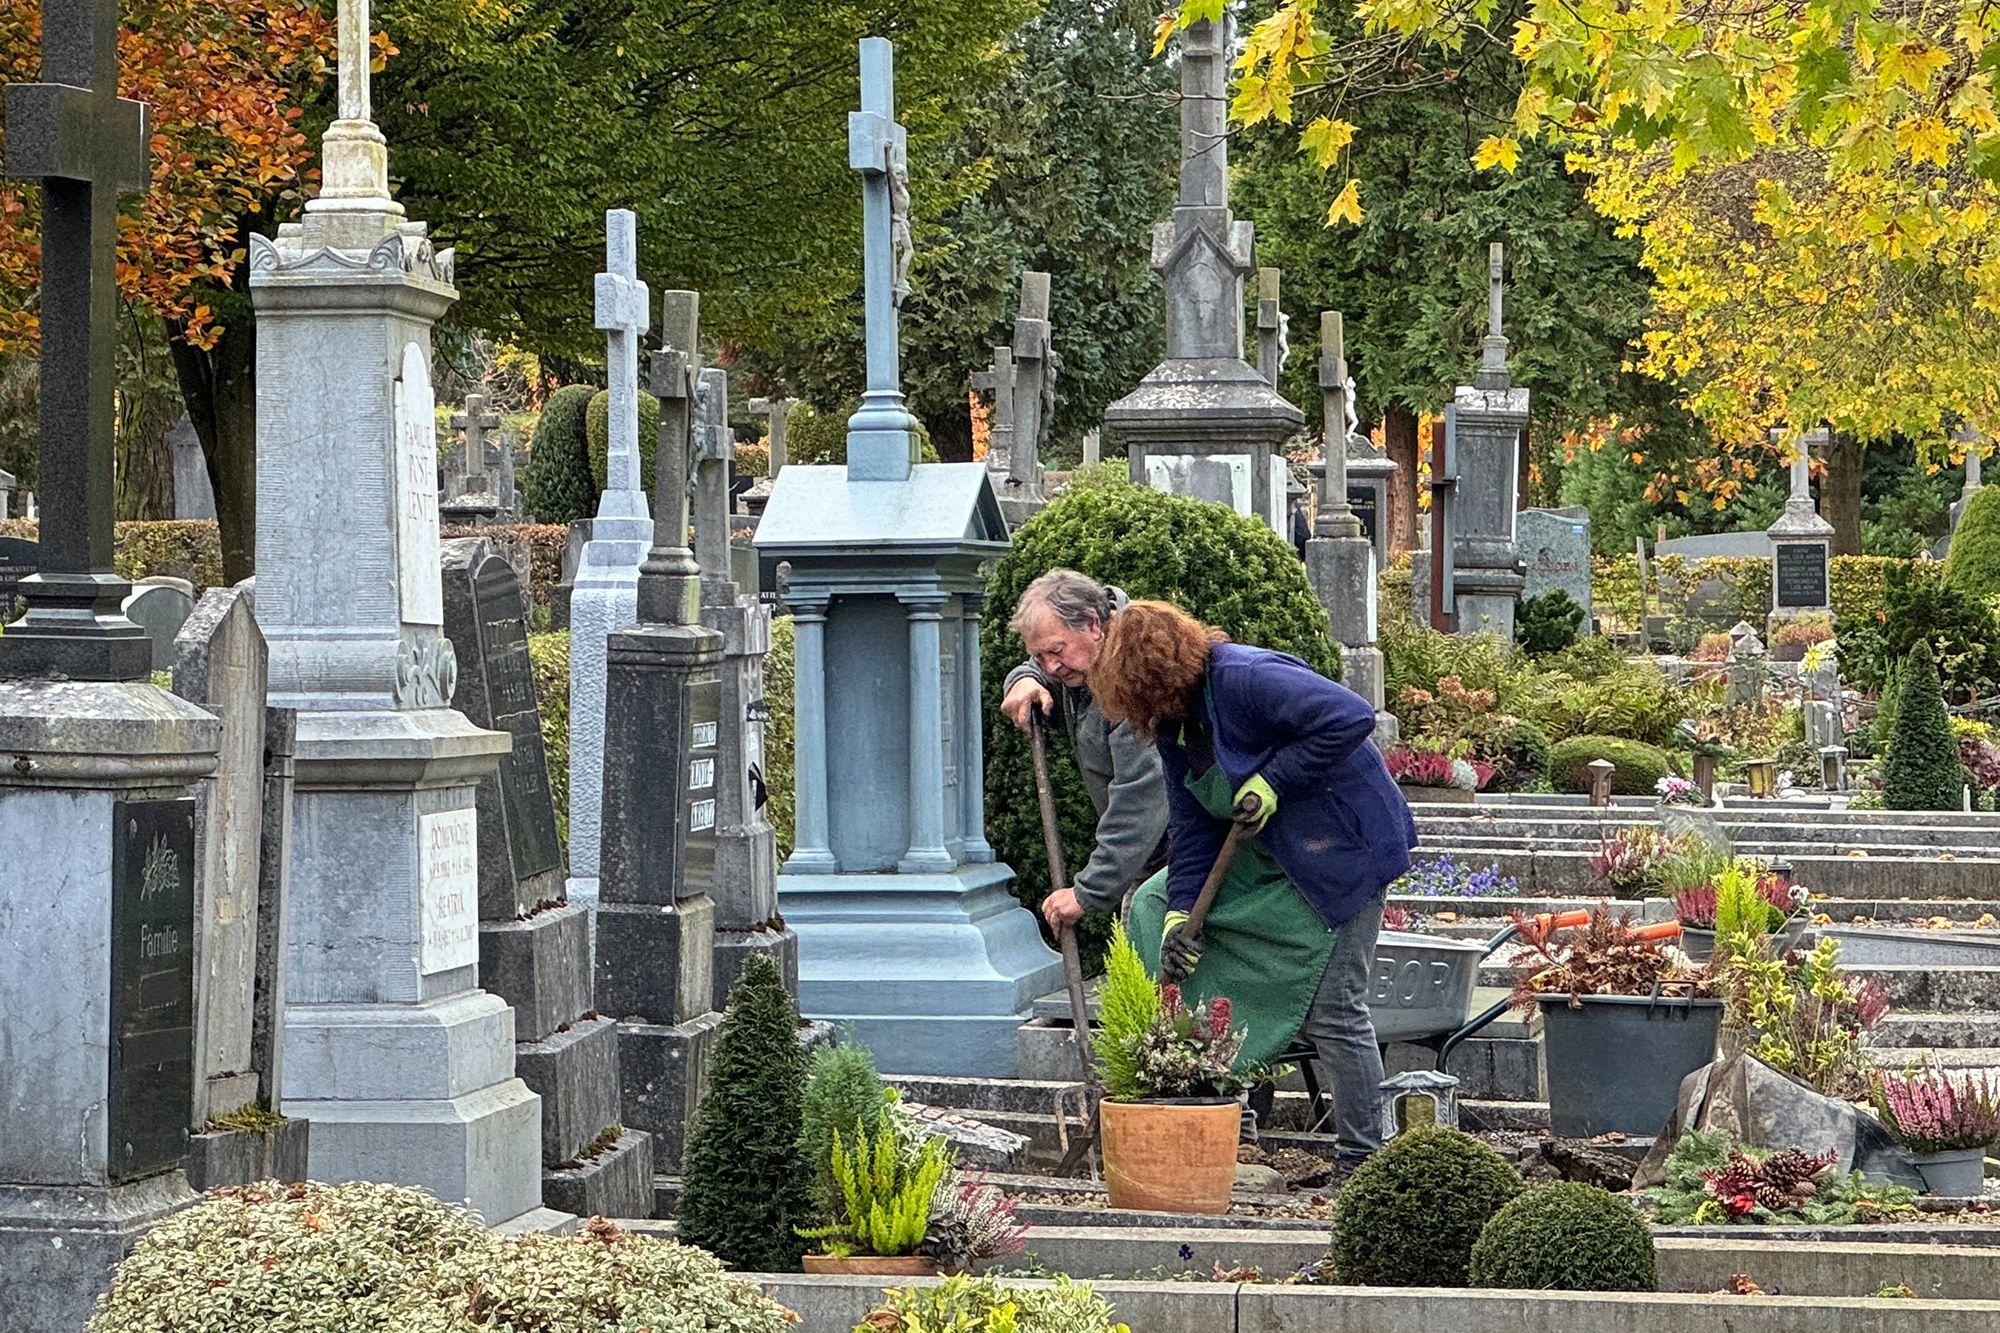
1021, 701
1061, 909
1180, 949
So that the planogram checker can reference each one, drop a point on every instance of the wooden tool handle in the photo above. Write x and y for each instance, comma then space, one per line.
1245, 808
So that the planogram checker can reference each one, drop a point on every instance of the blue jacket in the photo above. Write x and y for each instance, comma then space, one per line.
1341, 831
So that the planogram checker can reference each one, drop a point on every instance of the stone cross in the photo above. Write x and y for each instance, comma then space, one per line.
668, 581
1492, 372
714, 446
475, 421
1205, 286
354, 166
1271, 322
1034, 395
998, 380
622, 301
1335, 517
881, 435
86, 145
774, 410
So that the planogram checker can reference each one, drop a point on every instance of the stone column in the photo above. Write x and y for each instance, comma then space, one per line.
972, 781
927, 849
811, 849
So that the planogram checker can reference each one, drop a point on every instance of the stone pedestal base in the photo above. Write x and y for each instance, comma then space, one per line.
934, 971
1342, 573
239, 1156
1361, 671
664, 1071
540, 966
465, 1149
734, 947
575, 1073
618, 1182
59, 1244
651, 956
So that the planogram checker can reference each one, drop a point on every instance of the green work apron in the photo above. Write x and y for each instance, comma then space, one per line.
1263, 945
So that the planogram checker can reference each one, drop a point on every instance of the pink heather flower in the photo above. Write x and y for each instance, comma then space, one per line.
1170, 998
1934, 1111
1218, 1017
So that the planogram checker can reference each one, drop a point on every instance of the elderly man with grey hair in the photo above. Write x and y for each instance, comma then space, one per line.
1061, 619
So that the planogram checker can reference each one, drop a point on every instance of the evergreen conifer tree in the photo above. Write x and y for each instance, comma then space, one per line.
1923, 770
746, 1187
556, 485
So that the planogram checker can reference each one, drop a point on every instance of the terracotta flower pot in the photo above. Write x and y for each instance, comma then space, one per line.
1170, 1156
873, 1265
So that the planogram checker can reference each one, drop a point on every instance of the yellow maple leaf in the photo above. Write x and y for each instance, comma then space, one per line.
1324, 139
1503, 151
1347, 207
1925, 139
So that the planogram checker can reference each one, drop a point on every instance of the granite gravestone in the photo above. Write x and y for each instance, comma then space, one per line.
160, 608
96, 994
1340, 560
1555, 547
605, 597
220, 663
905, 923
1204, 422
19, 557
1034, 399
534, 948
403, 1063
998, 380
194, 493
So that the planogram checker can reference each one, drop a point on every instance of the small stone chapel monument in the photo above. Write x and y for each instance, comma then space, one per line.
1204, 422
97, 946
906, 927
404, 1065
1801, 544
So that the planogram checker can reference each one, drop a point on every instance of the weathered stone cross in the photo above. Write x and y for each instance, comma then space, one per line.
622, 313
475, 421
1492, 372
1334, 517
86, 145
669, 588
881, 444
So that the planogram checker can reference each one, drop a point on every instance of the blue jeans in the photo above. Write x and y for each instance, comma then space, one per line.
1338, 1026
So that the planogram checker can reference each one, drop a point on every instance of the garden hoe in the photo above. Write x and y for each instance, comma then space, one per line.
1086, 1138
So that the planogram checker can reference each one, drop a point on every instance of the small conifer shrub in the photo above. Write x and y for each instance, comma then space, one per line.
1923, 770
556, 485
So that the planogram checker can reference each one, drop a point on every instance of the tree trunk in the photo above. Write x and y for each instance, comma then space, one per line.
220, 389
143, 465
1399, 442
1840, 493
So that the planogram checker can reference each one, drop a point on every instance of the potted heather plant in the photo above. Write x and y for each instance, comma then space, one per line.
1948, 1121
1426, 772
1625, 1017
1743, 892
1168, 1122
885, 1182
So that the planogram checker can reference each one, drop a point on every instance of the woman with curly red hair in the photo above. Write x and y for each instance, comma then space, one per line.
1290, 936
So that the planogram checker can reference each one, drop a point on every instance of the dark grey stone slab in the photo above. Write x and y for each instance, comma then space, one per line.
733, 948
239, 1156
59, 1245
616, 1183
575, 1073
664, 1070
655, 963
152, 986
541, 966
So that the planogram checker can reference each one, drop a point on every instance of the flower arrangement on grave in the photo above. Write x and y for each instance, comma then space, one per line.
1933, 1111
1631, 862
1804, 1015
886, 1189
1678, 791
1710, 1181
1151, 1043
1421, 763
1610, 955
970, 1221
962, 1304
1745, 894
1447, 877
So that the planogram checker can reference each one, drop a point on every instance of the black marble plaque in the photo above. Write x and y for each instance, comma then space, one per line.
510, 694
19, 557
152, 986
1361, 499
1800, 574
704, 726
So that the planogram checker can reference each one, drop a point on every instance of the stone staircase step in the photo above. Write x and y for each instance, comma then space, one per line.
1480, 917
1911, 1030
1568, 873
1948, 1057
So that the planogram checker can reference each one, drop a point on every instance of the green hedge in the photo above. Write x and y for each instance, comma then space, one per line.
544, 543
1854, 584
1640, 766
779, 774
597, 437
556, 485
1230, 570
181, 548
812, 436
548, 659
1972, 563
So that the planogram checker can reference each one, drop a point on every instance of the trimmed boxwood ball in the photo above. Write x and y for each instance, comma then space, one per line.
1972, 562
1566, 1236
1409, 1215
1640, 766
1230, 570
556, 485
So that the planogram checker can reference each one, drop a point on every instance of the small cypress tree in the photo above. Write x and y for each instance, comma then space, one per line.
843, 1091
746, 1187
556, 485
1923, 770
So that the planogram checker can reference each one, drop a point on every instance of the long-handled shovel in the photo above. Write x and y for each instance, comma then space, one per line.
1072, 963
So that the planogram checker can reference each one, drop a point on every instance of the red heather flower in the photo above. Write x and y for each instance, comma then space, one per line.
1170, 998
1739, 1205
1218, 1017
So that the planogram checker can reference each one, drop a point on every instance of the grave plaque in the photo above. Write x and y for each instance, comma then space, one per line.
1363, 501
705, 717
417, 535
1800, 575
152, 985
19, 557
448, 889
510, 697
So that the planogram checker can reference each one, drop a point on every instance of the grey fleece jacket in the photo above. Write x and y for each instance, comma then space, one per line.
1123, 777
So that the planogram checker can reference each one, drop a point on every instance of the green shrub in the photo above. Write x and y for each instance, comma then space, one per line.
1972, 562
753, 460
1916, 604
779, 775
548, 661
1525, 747
746, 1187
1923, 770
1640, 766
842, 1091
307, 1258
1128, 1001
1409, 1215
1228, 569
885, 1191
1566, 1236
812, 436
597, 437
1548, 623
962, 1304
556, 485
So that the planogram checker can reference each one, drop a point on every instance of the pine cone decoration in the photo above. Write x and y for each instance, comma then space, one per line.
1786, 1178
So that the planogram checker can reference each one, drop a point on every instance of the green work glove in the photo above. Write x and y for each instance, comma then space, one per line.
1267, 802
1180, 949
